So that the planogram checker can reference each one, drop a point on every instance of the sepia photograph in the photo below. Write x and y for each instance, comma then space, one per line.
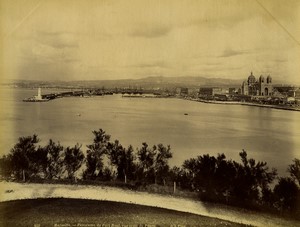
149, 113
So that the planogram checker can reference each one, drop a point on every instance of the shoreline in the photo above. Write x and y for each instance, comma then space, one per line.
246, 104
290, 108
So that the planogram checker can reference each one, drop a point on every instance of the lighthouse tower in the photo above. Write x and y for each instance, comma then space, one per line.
39, 96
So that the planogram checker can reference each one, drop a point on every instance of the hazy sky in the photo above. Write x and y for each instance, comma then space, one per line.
89, 39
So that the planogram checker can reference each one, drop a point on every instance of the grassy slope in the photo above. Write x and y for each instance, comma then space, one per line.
48, 212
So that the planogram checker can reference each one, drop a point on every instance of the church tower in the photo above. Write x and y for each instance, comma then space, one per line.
265, 86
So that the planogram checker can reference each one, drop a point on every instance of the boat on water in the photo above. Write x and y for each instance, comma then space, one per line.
36, 98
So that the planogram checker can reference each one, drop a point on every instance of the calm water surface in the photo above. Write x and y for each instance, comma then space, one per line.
266, 134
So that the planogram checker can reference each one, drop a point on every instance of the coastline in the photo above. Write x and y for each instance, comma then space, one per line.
280, 107
247, 104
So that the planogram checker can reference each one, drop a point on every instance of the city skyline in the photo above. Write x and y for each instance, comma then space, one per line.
111, 40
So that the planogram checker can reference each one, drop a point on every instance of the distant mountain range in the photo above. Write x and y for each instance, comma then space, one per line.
158, 82
148, 82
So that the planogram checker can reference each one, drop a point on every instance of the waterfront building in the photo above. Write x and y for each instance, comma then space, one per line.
184, 91
261, 87
211, 91
233, 90
294, 93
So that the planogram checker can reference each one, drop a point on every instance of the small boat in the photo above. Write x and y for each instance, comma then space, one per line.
186, 114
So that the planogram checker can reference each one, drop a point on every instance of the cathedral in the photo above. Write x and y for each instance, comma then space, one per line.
260, 87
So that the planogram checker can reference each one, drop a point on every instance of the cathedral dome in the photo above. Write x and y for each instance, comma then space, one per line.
251, 79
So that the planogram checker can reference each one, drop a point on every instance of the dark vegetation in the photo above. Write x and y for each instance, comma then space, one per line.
248, 184
48, 212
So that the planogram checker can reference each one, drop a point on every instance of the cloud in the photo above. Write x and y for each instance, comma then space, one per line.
224, 14
136, 38
71, 60
52, 55
280, 60
35, 69
151, 30
57, 40
156, 64
231, 53
40, 52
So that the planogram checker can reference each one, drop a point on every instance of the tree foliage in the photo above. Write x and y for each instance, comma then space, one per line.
252, 178
6, 167
73, 159
161, 167
224, 180
54, 162
22, 157
153, 163
123, 160
95, 154
246, 183
287, 195
294, 170
145, 163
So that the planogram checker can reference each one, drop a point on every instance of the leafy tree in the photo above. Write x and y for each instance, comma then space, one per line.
146, 160
107, 175
205, 172
38, 161
294, 170
5, 166
190, 171
161, 166
130, 167
175, 173
27, 160
268, 198
286, 194
181, 177
201, 170
73, 159
21, 155
114, 151
219, 179
224, 177
122, 159
54, 162
95, 153
252, 178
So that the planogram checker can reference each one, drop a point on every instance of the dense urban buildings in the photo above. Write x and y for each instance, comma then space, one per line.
261, 87
259, 90
252, 87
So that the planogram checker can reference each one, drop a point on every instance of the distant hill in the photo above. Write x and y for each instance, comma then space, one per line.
158, 82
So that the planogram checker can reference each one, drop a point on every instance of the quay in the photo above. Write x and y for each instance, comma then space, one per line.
283, 107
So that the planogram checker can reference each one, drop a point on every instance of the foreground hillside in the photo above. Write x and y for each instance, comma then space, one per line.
16, 191
80, 212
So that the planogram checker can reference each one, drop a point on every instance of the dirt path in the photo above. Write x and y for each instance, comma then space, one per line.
15, 191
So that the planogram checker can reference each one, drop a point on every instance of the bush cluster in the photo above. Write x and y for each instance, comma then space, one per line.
249, 184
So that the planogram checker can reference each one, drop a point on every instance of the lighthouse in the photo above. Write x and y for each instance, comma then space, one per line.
39, 96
